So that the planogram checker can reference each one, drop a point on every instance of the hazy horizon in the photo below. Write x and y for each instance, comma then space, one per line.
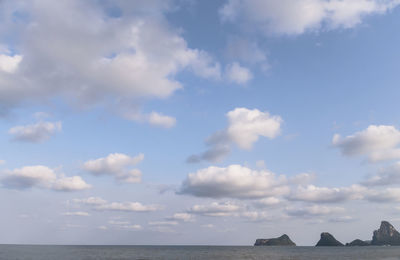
198, 122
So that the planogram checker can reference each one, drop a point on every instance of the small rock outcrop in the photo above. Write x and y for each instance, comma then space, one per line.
386, 235
359, 242
283, 240
328, 240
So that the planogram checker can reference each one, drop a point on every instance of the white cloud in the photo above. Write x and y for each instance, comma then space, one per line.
41, 177
163, 223
238, 74
35, 133
91, 201
292, 17
127, 206
234, 181
312, 211
268, 202
185, 217
117, 165
102, 205
94, 57
216, 209
77, 213
161, 120
377, 142
9, 64
316, 194
70, 184
245, 126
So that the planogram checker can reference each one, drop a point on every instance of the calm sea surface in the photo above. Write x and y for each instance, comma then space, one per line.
194, 252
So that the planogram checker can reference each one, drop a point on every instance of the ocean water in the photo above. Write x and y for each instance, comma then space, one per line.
34, 252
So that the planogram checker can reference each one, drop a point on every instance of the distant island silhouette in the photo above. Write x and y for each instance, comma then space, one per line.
385, 235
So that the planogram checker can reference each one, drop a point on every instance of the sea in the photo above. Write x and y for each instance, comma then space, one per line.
47, 252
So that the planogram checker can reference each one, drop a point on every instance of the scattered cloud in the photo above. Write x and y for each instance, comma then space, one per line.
76, 213
234, 181
244, 128
117, 165
163, 223
185, 217
291, 17
238, 74
216, 209
316, 194
377, 142
102, 205
161, 120
41, 177
312, 211
35, 133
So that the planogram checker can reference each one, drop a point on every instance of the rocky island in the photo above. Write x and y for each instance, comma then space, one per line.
359, 242
386, 235
328, 240
283, 240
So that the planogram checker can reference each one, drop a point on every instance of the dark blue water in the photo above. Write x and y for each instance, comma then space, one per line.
194, 252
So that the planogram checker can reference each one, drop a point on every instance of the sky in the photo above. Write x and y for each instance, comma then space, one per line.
184, 122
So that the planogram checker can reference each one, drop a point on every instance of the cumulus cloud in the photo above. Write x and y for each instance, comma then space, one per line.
41, 177
292, 17
163, 223
377, 142
94, 57
216, 209
35, 133
312, 211
316, 194
245, 127
238, 74
234, 181
124, 225
117, 165
103, 205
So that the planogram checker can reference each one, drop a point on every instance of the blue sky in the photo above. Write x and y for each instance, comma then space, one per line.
198, 122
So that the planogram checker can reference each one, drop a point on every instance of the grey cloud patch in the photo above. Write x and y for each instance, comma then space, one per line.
95, 58
387, 176
35, 133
